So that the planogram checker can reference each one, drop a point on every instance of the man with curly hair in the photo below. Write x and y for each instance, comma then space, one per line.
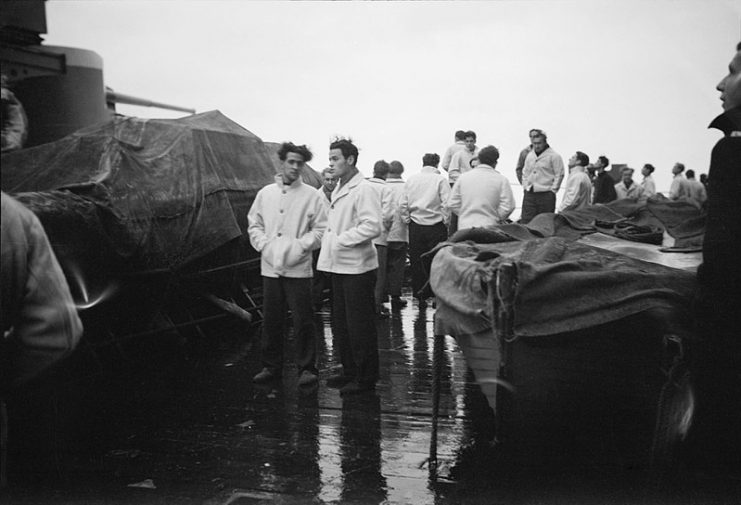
286, 223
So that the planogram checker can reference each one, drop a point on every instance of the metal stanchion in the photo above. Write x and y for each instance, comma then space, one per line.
437, 365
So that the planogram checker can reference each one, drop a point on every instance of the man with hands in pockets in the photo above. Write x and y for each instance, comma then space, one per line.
286, 223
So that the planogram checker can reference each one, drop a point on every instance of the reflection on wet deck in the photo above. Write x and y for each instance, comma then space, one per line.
192, 428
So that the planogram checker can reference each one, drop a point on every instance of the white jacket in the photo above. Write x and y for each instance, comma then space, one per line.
285, 224
399, 231
354, 220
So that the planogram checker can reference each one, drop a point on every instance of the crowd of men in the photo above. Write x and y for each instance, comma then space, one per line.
353, 235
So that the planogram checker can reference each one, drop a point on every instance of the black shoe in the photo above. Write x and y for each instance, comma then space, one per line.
307, 378
266, 375
355, 387
338, 381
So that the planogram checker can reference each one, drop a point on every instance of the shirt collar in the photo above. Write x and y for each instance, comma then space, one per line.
293, 185
430, 170
728, 122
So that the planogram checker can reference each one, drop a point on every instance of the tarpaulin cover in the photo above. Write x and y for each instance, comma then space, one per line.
637, 221
169, 190
562, 286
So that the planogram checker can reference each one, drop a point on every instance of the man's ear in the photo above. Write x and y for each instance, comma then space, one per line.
351, 160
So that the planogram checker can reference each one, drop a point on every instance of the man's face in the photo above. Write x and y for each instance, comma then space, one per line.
645, 172
676, 169
573, 161
339, 166
470, 144
627, 176
730, 85
538, 145
532, 136
329, 181
291, 167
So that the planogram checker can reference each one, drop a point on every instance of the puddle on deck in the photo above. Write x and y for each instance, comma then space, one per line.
192, 428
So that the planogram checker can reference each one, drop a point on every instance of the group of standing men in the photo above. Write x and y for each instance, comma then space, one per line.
287, 221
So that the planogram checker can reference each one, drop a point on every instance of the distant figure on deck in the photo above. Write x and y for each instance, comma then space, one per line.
39, 318
717, 360
459, 145
378, 183
648, 184
523, 154
482, 197
541, 176
460, 164
398, 238
286, 223
461, 161
604, 185
578, 192
627, 188
698, 194
704, 180
349, 255
680, 188
422, 208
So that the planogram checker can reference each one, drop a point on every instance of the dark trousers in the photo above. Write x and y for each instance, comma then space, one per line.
280, 294
422, 238
354, 325
537, 203
396, 262
380, 289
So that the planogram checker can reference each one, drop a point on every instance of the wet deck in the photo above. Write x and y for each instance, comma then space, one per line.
191, 427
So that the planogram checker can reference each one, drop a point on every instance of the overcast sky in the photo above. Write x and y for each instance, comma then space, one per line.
634, 80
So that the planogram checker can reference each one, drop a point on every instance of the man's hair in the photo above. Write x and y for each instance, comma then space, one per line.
627, 169
535, 130
541, 134
460, 135
650, 168
489, 155
381, 168
681, 166
738, 46
396, 168
324, 172
290, 147
582, 158
430, 160
470, 133
690, 174
604, 161
346, 146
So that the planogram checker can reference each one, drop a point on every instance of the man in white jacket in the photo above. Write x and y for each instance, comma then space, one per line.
286, 222
482, 196
354, 220
578, 191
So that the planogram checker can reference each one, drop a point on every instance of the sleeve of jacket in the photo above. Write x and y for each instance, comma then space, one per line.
444, 194
404, 205
388, 207
453, 203
312, 239
558, 173
368, 213
506, 201
256, 223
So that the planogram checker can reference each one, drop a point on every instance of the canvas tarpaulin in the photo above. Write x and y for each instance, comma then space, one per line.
170, 191
562, 286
